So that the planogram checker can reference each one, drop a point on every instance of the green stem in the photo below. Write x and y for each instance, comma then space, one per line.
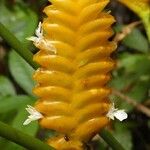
17, 45
110, 140
21, 138
17, 136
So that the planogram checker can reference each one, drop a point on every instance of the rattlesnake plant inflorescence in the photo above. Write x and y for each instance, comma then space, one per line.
75, 67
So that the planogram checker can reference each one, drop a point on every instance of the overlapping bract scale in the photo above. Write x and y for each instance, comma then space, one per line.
73, 96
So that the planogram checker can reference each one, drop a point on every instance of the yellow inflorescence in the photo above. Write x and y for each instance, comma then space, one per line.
73, 96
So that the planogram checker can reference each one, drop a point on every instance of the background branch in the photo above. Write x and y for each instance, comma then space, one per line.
133, 102
126, 30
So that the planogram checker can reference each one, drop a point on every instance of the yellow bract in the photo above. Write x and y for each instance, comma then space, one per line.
73, 97
142, 9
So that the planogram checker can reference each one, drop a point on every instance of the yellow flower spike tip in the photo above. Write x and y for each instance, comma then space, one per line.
142, 9
75, 67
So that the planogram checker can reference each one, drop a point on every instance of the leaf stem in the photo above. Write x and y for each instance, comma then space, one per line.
110, 140
22, 139
17, 45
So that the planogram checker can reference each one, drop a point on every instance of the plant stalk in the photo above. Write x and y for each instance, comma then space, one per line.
110, 140
17, 45
21, 138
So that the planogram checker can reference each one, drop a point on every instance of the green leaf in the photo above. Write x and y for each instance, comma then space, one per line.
138, 63
137, 41
20, 118
11, 146
19, 103
21, 72
13, 102
20, 19
121, 81
132, 77
6, 87
101, 145
138, 92
3, 143
123, 135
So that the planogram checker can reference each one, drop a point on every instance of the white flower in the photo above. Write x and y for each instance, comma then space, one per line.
39, 35
115, 113
39, 40
34, 115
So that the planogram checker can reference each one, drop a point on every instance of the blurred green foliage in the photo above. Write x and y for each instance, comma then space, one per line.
22, 21
132, 77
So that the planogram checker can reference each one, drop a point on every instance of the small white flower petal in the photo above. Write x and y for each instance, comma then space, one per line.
110, 115
115, 113
121, 115
39, 30
39, 35
34, 115
26, 122
31, 110
40, 42
32, 38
